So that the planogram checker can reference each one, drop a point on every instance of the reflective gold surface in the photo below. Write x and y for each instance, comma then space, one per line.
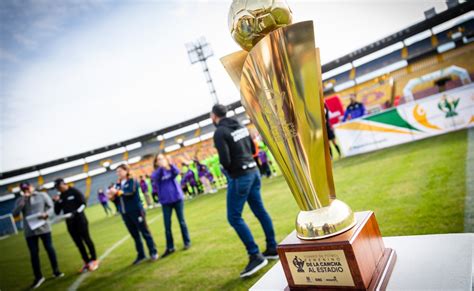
281, 91
251, 20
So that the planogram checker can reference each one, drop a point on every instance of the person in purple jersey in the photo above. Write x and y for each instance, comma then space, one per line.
205, 177
264, 166
171, 197
104, 201
146, 193
190, 179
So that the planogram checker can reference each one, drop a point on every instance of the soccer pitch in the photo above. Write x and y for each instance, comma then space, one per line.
416, 188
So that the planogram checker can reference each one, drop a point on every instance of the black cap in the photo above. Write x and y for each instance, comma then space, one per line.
24, 186
219, 110
58, 182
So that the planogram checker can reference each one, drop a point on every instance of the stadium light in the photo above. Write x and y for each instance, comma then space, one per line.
239, 110
105, 154
75, 178
446, 47
134, 160
63, 166
206, 136
172, 148
200, 51
181, 130
378, 54
452, 22
160, 138
133, 146
191, 141
97, 171
48, 185
336, 71
417, 37
344, 85
6, 197
115, 165
205, 122
19, 178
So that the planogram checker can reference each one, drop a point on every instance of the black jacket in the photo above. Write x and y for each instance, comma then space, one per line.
70, 201
235, 147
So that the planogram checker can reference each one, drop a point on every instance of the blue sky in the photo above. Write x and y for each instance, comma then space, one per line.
77, 75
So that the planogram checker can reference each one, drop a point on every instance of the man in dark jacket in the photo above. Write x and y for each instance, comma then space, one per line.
72, 203
236, 149
36, 207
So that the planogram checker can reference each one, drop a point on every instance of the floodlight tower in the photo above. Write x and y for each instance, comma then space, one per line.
200, 51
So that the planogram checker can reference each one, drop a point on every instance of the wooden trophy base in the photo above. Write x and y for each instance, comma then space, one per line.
354, 260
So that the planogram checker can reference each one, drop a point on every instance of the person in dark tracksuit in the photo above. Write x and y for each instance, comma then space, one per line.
236, 148
37, 204
126, 194
72, 203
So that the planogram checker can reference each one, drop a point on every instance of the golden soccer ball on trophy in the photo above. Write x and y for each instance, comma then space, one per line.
250, 21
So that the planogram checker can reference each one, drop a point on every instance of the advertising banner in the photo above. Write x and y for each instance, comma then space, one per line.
437, 114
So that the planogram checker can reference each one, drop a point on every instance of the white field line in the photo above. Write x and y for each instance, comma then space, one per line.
107, 252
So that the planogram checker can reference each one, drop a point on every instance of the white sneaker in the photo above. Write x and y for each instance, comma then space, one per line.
37, 283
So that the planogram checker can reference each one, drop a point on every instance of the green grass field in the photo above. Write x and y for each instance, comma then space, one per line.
416, 188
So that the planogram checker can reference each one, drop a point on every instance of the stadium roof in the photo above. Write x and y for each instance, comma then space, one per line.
401, 35
357, 54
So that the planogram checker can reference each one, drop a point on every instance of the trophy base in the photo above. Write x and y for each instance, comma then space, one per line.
354, 260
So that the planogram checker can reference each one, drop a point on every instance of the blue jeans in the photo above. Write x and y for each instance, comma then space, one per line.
243, 189
167, 211
136, 224
32, 242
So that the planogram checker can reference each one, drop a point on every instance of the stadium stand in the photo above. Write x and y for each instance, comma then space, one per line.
382, 62
420, 48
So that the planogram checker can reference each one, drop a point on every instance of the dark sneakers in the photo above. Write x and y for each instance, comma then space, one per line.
37, 283
58, 274
270, 254
138, 260
154, 257
167, 253
256, 262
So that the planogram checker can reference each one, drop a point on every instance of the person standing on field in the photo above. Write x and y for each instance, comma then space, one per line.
125, 193
171, 198
73, 203
236, 149
36, 208
146, 192
104, 201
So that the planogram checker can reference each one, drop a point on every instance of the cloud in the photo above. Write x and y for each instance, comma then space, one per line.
8, 56
25, 41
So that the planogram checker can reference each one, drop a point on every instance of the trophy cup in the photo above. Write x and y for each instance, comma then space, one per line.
279, 77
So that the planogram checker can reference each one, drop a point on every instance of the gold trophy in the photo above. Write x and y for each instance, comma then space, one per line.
279, 77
